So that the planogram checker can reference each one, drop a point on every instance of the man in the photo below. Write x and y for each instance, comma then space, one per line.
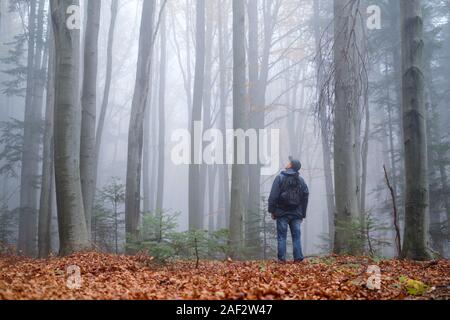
288, 202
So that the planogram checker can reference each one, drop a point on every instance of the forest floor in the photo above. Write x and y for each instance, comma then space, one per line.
107, 276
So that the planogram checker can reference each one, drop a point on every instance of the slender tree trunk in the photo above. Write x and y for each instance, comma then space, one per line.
107, 89
346, 113
396, 122
211, 198
224, 184
364, 164
32, 122
364, 155
89, 109
188, 84
208, 171
73, 233
257, 93
415, 134
151, 152
45, 205
116, 228
391, 133
195, 196
239, 182
135, 134
324, 126
150, 157
162, 115
149, 167
252, 222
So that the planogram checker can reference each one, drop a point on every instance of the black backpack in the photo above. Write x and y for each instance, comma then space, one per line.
291, 192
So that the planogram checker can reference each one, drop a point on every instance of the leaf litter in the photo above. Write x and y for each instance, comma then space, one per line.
119, 277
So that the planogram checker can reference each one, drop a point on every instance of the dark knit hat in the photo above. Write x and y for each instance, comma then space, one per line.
296, 164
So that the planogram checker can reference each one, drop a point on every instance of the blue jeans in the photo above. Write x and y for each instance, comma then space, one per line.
294, 224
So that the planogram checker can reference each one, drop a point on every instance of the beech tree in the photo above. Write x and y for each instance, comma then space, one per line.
48, 172
347, 81
107, 88
239, 180
415, 134
89, 108
323, 120
73, 233
135, 134
32, 121
162, 113
195, 195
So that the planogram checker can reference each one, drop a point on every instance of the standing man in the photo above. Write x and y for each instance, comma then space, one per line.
288, 202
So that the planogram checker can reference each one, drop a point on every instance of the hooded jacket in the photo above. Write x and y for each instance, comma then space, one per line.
274, 198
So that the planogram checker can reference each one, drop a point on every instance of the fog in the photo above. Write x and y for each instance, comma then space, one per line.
290, 87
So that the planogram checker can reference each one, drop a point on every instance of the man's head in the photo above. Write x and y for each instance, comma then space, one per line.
294, 164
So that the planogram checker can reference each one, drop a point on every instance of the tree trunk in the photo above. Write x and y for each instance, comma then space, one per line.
135, 134
224, 183
346, 113
239, 182
324, 126
415, 135
32, 122
45, 205
195, 196
89, 109
73, 233
149, 166
162, 115
252, 221
107, 89
258, 77
208, 171
364, 152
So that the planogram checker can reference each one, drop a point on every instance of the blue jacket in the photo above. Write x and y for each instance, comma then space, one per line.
274, 198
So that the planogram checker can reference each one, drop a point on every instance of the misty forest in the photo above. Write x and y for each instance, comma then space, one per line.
109, 109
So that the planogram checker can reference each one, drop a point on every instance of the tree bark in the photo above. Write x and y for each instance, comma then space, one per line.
196, 221
208, 171
252, 220
107, 89
324, 126
73, 233
149, 167
162, 115
258, 78
224, 183
32, 122
345, 130
89, 109
415, 134
45, 205
135, 134
239, 179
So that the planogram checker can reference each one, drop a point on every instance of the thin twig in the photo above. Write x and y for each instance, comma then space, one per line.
395, 212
